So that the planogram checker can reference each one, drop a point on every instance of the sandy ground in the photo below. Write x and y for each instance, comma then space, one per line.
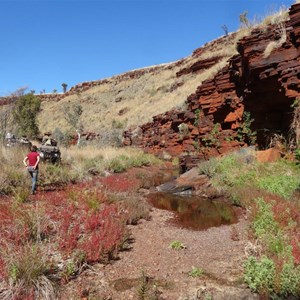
151, 269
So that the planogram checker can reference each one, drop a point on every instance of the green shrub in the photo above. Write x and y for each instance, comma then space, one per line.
72, 266
283, 182
15, 178
212, 139
264, 222
297, 155
260, 275
94, 164
117, 165
143, 159
277, 244
227, 163
177, 245
267, 229
289, 280
208, 296
93, 199
52, 174
20, 194
232, 172
63, 138
196, 272
28, 270
123, 162
208, 167
280, 184
29, 266
25, 115
147, 288
13, 181
118, 124
197, 117
244, 132
236, 200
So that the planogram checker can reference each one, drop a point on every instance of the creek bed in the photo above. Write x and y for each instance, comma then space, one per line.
195, 212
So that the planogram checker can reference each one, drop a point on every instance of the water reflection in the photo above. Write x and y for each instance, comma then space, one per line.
195, 212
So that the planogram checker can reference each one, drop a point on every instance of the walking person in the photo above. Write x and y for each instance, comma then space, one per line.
31, 161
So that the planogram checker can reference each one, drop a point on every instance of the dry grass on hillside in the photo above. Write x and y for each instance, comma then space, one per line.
92, 152
277, 17
129, 102
135, 101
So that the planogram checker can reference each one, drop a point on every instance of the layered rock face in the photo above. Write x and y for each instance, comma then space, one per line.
252, 97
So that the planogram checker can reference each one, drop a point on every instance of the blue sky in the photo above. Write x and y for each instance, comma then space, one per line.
45, 43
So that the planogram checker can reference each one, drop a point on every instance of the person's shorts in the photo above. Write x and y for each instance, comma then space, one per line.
31, 169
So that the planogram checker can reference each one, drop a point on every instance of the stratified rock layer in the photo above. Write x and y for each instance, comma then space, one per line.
261, 84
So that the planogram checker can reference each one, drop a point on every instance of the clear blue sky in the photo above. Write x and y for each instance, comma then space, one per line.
45, 43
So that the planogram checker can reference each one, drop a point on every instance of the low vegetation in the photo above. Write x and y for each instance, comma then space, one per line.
270, 191
196, 272
45, 243
78, 164
177, 245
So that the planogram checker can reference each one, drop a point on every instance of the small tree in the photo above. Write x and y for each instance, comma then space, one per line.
4, 121
19, 92
6, 113
25, 115
244, 19
72, 114
63, 138
64, 86
224, 27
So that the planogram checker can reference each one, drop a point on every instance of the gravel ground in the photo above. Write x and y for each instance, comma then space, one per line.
151, 269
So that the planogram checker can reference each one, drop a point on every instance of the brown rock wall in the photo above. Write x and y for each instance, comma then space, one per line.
262, 83
199, 66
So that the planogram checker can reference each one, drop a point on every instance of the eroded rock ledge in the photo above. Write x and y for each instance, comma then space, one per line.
260, 83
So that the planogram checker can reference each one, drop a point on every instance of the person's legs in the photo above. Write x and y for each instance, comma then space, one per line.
30, 172
34, 176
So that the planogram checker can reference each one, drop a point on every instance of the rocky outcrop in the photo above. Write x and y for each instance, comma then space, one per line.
250, 98
189, 183
200, 65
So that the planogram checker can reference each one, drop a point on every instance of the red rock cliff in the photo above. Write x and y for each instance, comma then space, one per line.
260, 83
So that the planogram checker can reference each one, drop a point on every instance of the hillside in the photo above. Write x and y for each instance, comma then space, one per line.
133, 98
253, 100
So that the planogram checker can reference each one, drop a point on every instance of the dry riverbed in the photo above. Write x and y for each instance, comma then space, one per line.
152, 269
